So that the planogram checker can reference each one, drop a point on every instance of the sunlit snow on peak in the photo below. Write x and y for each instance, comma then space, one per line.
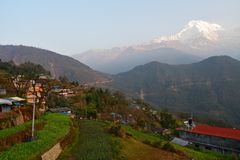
193, 30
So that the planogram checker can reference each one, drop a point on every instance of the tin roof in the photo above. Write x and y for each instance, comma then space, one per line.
217, 131
179, 141
5, 101
16, 99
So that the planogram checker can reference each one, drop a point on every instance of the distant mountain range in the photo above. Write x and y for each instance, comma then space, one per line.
196, 41
57, 64
209, 88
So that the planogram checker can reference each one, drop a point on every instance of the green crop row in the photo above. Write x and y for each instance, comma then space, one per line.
56, 127
93, 142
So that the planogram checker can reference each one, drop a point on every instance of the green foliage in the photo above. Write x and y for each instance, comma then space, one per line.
97, 100
28, 69
91, 110
94, 143
31, 70
141, 123
167, 121
54, 101
9, 131
141, 136
168, 147
57, 126
208, 88
117, 130
157, 144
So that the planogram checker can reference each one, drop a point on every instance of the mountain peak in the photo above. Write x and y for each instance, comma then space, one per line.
195, 29
223, 59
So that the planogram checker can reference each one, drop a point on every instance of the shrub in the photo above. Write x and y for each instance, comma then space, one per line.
117, 130
146, 142
157, 144
168, 147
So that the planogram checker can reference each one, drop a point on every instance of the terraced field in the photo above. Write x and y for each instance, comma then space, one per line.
56, 127
92, 142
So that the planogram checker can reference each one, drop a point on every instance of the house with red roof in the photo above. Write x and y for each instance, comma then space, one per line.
225, 140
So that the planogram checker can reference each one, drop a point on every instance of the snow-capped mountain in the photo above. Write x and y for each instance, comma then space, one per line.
194, 30
197, 40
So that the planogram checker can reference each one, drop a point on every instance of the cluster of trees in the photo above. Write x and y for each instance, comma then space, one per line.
55, 101
9, 78
97, 100
28, 69
92, 101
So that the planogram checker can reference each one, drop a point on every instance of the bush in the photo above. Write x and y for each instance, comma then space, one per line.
117, 131
147, 142
157, 144
168, 147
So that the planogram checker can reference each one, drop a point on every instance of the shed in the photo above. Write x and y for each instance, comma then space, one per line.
5, 105
179, 141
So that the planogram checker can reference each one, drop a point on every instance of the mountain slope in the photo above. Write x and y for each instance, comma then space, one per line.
57, 64
123, 59
209, 87
196, 41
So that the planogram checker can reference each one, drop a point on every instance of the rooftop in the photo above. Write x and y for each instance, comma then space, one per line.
217, 131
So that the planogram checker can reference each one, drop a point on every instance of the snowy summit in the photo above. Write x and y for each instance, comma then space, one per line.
193, 30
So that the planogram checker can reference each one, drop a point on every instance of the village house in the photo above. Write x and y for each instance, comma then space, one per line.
62, 110
224, 140
16, 101
36, 92
66, 93
7, 104
61, 91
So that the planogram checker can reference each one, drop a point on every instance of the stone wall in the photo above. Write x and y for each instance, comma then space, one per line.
53, 153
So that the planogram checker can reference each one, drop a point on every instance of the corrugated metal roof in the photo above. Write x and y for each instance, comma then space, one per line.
179, 141
217, 131
5, 101
17, 99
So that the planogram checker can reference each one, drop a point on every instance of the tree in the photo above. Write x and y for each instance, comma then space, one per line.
54, 101
91, 110
167, 120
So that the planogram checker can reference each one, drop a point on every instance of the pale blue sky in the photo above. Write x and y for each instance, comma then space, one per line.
72, 26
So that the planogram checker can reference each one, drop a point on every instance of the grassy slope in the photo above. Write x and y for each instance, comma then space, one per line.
133, 149
57, 126
92, 143
197, 155
9, 131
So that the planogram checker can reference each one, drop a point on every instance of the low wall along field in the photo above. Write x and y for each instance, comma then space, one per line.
53, 153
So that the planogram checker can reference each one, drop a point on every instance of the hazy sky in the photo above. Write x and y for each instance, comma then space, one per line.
72, 26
